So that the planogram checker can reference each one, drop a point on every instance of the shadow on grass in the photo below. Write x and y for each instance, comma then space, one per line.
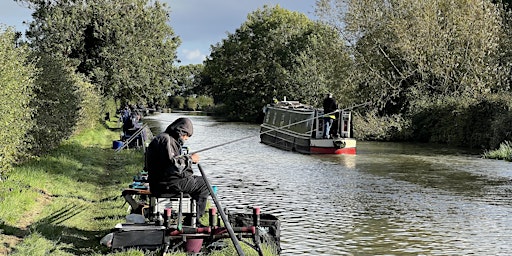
76, 241
97, 166
106, 170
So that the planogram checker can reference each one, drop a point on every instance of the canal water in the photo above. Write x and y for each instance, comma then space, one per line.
389, 199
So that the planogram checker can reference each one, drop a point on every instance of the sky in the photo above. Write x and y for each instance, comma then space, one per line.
199, 23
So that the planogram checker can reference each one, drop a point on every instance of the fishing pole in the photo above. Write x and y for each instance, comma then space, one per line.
129, 140
250, 136
222, 214
277, 128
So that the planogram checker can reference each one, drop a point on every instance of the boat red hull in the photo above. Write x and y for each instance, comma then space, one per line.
337, 151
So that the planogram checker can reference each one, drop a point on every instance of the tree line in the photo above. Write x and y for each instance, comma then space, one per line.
434, 71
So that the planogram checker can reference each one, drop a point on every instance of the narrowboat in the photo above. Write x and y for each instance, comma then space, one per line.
293, 126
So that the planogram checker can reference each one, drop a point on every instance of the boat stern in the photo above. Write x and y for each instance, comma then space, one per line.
333, 146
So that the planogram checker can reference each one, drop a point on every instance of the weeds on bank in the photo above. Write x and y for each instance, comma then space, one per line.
504, 152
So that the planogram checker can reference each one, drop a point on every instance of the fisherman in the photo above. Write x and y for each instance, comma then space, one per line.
170, 168
125, 119
330, 107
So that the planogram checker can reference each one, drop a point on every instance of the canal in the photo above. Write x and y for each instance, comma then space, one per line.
389, 199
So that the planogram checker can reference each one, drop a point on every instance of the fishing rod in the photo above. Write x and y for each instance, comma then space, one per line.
250, 136
129, 140
278, 128
232, 234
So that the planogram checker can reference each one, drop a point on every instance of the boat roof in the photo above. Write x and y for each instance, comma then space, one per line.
293, 105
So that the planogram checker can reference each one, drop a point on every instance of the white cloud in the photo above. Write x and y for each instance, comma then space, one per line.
191, 56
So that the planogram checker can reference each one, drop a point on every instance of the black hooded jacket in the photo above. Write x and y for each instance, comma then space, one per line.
329, 105
165, 162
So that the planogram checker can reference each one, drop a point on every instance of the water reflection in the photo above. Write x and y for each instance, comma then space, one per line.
389, 199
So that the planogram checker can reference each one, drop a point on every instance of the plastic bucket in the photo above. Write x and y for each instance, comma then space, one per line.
193, 245
117, 144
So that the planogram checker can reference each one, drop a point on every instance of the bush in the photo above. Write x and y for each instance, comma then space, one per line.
16, 91
177, 102
371, 126
191, 103
90, 99
57, 103
503, 152
205, 102
459, 121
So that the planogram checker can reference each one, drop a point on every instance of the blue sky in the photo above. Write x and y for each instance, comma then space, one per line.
199, 23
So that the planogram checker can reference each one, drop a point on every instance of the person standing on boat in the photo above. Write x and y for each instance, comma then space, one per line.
170, 168
330, 107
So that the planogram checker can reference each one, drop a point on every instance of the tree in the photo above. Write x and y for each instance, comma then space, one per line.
56, 104
275, 53
406, 50
188, 79
441, 68
125, 47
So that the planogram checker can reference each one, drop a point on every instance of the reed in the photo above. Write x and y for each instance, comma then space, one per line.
504, 152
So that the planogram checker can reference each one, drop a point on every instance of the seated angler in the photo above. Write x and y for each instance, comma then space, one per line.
170, 169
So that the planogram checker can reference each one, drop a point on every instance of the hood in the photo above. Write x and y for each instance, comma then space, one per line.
181, 126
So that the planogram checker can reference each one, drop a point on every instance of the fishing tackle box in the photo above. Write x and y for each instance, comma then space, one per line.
142, 236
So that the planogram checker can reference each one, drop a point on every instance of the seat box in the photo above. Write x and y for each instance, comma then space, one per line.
188, 205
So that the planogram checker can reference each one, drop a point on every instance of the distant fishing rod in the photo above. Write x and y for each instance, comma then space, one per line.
275, 129
131, 138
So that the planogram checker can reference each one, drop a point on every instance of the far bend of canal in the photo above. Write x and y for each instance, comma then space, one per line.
389, 199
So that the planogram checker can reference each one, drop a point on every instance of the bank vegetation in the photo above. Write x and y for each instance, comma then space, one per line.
435, 72
430, 71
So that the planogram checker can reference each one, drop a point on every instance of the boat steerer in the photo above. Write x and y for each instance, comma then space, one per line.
276, 129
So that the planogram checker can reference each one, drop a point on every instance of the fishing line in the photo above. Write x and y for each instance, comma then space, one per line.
251, 136
275, 129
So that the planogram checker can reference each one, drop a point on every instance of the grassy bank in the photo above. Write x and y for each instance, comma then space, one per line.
64, 203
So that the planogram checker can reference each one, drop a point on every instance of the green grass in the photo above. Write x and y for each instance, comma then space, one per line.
248, 251
64, 203
36, 244
504, 152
